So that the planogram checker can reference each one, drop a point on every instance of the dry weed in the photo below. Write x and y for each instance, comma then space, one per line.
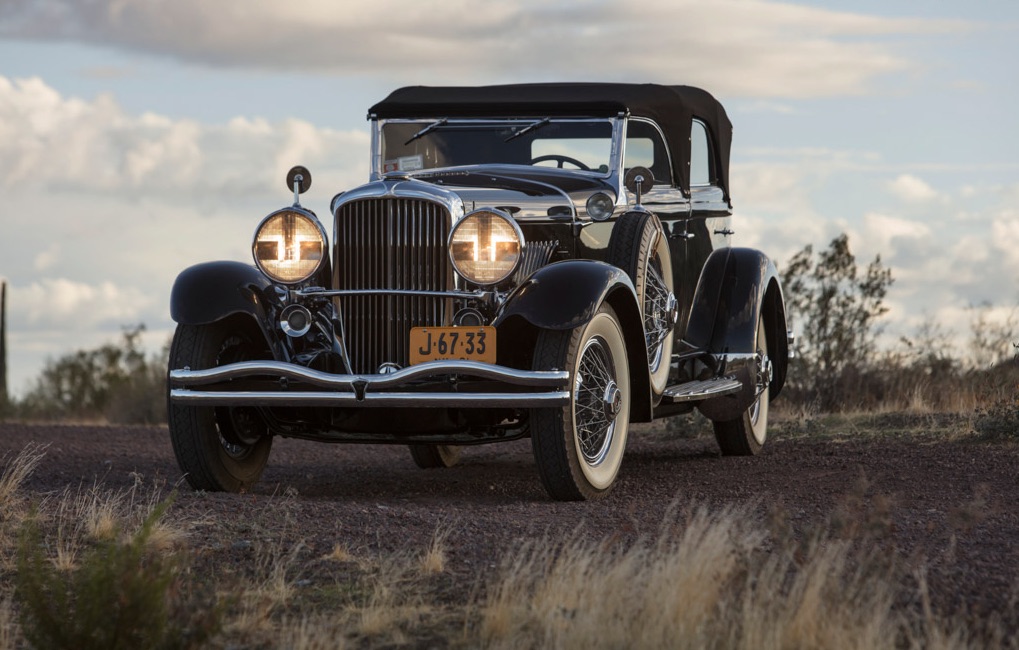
10, 632
708, 581
14, 474
339, 553
434, 559
318, 632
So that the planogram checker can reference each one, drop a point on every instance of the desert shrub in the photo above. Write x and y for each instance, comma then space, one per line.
115, 382
126, 593
837, 306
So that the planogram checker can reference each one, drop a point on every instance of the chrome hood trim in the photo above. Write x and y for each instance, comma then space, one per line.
404, 187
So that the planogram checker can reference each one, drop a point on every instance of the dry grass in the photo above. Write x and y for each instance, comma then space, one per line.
434, 558
717, 580
14, 474
708, 579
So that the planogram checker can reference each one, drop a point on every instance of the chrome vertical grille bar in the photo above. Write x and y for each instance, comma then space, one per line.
390, 243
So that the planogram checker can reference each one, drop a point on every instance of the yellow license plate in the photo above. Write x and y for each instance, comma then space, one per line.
469, 343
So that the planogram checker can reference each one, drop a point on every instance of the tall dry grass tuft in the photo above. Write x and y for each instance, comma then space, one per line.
13, 509
14, 474
661, 593
710, 581
433, 560
86, 515
10, 632
319, 632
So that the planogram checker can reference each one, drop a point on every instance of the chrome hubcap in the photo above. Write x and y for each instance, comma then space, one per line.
613, 401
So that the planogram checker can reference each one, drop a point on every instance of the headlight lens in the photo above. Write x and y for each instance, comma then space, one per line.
486, 247
600, 206
290, 246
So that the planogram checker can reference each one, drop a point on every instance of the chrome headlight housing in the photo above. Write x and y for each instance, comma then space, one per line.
486, 247
600, 206
289, 246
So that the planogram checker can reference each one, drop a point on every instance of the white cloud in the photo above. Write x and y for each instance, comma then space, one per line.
56, 302
756, 48
45, 259
888, 233
47, 140
912, 189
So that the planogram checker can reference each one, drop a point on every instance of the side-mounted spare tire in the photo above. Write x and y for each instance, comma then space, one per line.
639, 247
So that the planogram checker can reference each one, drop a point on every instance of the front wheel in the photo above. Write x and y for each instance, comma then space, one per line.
428, 456
745, 436
219, 449
579, 448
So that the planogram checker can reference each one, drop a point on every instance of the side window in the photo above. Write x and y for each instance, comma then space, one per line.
700, 155
645, 148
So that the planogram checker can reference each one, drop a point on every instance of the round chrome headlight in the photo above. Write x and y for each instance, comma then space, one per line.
600, 206
289, 246
486, 247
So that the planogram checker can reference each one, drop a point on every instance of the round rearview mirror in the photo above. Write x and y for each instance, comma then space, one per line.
300, 175
639, 180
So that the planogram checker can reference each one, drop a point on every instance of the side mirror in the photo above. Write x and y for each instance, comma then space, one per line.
639, 180
298, 180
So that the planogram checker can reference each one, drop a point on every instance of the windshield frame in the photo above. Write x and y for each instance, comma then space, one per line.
516, 124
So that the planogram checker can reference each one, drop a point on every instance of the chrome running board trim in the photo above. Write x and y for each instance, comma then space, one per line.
697, 390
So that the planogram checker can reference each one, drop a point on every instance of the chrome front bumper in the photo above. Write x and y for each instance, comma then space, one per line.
370, 391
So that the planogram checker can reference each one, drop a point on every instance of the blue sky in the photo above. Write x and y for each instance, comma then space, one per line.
138, 137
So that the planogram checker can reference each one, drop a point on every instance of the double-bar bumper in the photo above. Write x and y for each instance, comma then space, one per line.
396, 389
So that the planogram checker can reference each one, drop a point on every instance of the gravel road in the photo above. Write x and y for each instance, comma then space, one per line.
951, 504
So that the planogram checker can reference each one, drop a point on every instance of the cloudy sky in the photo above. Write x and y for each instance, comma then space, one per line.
138, 137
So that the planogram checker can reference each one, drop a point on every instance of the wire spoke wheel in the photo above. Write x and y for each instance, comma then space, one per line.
579, 448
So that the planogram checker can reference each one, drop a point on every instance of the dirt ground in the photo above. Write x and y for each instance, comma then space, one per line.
950, 504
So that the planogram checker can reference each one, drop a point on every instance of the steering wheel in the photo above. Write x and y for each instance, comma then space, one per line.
561, 159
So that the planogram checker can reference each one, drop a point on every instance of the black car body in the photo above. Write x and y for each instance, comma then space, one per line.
543, 260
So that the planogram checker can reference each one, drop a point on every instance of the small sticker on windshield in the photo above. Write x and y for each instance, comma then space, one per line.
404, 164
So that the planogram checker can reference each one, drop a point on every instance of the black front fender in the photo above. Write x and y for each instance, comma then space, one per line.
565, 295
209, 292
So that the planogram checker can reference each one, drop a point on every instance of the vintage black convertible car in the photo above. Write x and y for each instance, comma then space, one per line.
542, 260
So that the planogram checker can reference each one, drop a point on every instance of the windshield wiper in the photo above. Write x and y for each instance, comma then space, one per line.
428, 129
530, 127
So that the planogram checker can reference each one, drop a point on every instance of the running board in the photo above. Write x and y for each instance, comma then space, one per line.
698, 390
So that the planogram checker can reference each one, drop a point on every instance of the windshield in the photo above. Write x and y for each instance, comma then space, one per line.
575, 144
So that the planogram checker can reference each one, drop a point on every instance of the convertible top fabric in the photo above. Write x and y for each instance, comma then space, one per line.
671, 107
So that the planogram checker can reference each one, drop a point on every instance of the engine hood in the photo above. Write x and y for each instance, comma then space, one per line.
524, 192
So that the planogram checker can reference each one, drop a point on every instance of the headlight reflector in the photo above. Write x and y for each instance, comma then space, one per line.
600, 206
486, 247
289, 246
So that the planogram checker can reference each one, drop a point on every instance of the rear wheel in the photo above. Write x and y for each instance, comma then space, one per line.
219, 449
427, 456
746, 435
579, 448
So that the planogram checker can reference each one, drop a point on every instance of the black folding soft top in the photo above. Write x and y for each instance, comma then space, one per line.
671, 107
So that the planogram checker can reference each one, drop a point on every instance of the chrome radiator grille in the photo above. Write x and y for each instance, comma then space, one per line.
390, 243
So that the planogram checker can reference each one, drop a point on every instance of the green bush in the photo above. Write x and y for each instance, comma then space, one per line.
114, 382
125, 594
